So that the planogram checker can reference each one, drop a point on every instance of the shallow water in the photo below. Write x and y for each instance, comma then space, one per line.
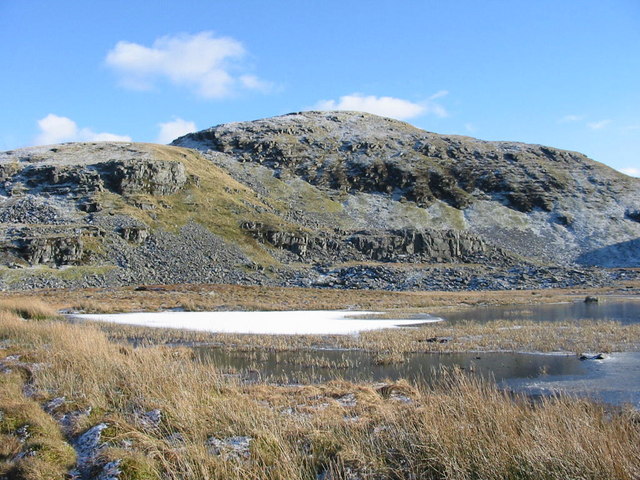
623, 310
614, 380
323, 365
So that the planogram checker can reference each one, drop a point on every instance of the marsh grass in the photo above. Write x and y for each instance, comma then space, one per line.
208, 297
389, 344
460, 427
29, 308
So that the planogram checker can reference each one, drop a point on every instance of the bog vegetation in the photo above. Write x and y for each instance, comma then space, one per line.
73, 400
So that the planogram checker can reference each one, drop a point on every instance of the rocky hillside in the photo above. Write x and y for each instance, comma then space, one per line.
534, 200
333, 199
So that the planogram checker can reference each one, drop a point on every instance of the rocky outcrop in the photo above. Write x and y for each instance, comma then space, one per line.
405, 245
633, 215
422, 245
154, 177
54, 245
304, 244
56, 250
122, 176
61, 180
134, 234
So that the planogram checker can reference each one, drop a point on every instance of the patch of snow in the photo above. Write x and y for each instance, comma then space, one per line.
318, 322
150, 419
231, 447
348, 400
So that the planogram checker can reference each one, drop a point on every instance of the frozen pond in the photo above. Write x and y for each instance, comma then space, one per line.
318, 322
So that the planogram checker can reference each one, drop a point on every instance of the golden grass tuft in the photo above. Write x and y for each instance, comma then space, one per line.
28, 308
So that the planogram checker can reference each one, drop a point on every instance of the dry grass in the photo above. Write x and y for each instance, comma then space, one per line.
499, 335
460, 428
237, 297
30, 308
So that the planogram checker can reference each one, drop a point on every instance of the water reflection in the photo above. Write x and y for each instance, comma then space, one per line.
625, 311
351, 365
614, 380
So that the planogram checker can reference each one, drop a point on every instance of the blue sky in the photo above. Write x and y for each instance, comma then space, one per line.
564, 73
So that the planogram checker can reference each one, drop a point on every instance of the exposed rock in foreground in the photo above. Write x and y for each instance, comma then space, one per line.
341, 200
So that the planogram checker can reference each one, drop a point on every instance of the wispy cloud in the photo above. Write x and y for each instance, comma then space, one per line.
56, 129
598, 125
439, 94
210, 66
633, 171
392, 107
571, 118
169, 131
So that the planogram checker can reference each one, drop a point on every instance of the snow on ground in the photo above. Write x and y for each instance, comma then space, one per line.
318, 322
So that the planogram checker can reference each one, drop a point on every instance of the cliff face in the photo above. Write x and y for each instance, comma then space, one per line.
335, 199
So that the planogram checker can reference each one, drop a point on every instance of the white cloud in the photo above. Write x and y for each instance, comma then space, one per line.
56, 129
571, 118
169, 131
201, 62
439, 94
632, 171
254, 83
598, 125
385, 106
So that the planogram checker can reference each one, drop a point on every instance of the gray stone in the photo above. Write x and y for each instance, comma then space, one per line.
155, 177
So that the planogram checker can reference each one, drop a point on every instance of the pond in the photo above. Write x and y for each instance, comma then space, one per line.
355, 365
619, 309
614, 380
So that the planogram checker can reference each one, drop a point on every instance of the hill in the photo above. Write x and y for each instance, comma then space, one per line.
339, 199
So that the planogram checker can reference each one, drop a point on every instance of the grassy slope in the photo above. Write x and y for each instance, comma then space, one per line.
215, 200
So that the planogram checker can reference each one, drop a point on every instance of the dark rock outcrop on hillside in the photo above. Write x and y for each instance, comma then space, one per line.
316, 199
405, 245
155, 177
126, 176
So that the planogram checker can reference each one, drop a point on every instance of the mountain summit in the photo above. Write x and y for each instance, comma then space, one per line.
534, 200
326, 199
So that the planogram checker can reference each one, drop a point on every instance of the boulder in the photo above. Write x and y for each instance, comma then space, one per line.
134, 234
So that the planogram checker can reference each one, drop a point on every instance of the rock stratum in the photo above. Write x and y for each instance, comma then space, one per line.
325, 199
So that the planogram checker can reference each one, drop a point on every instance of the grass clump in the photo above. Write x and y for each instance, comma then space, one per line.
30, 309
32, 445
